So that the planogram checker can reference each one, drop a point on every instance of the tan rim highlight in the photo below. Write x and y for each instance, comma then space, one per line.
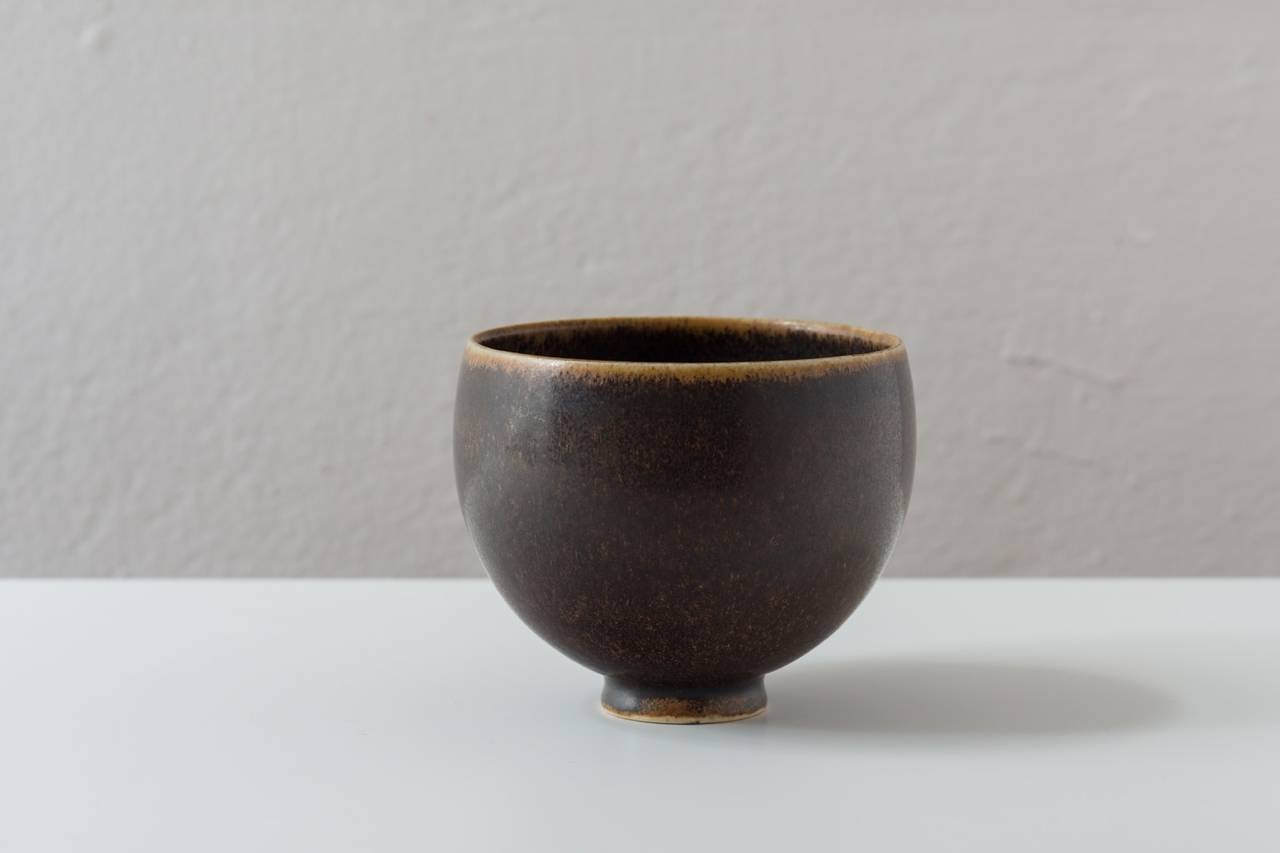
888, 348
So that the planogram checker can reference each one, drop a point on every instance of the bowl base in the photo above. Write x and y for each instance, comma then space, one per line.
723, 703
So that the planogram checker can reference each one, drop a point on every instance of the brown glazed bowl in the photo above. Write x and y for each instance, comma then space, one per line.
684, 504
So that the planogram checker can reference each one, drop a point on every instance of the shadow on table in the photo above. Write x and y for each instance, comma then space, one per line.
958, 698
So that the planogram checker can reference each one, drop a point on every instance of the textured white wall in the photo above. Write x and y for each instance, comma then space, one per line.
241, 243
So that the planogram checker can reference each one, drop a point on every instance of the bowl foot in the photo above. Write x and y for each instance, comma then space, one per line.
683, 705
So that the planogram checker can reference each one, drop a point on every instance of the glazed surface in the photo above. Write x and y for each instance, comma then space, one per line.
685, 530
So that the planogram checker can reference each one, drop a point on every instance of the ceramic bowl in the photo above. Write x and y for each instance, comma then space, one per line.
684, 504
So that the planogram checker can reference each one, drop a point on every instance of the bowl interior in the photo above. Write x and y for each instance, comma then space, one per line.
684, 340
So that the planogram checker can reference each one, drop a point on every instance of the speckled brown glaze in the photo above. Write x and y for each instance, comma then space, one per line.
684, 504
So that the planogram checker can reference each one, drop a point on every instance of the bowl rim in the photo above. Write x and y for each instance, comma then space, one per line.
887, 347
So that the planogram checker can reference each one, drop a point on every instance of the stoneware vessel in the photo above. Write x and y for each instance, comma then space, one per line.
684, 504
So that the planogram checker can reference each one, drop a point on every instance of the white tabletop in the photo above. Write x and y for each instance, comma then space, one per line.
369, 716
